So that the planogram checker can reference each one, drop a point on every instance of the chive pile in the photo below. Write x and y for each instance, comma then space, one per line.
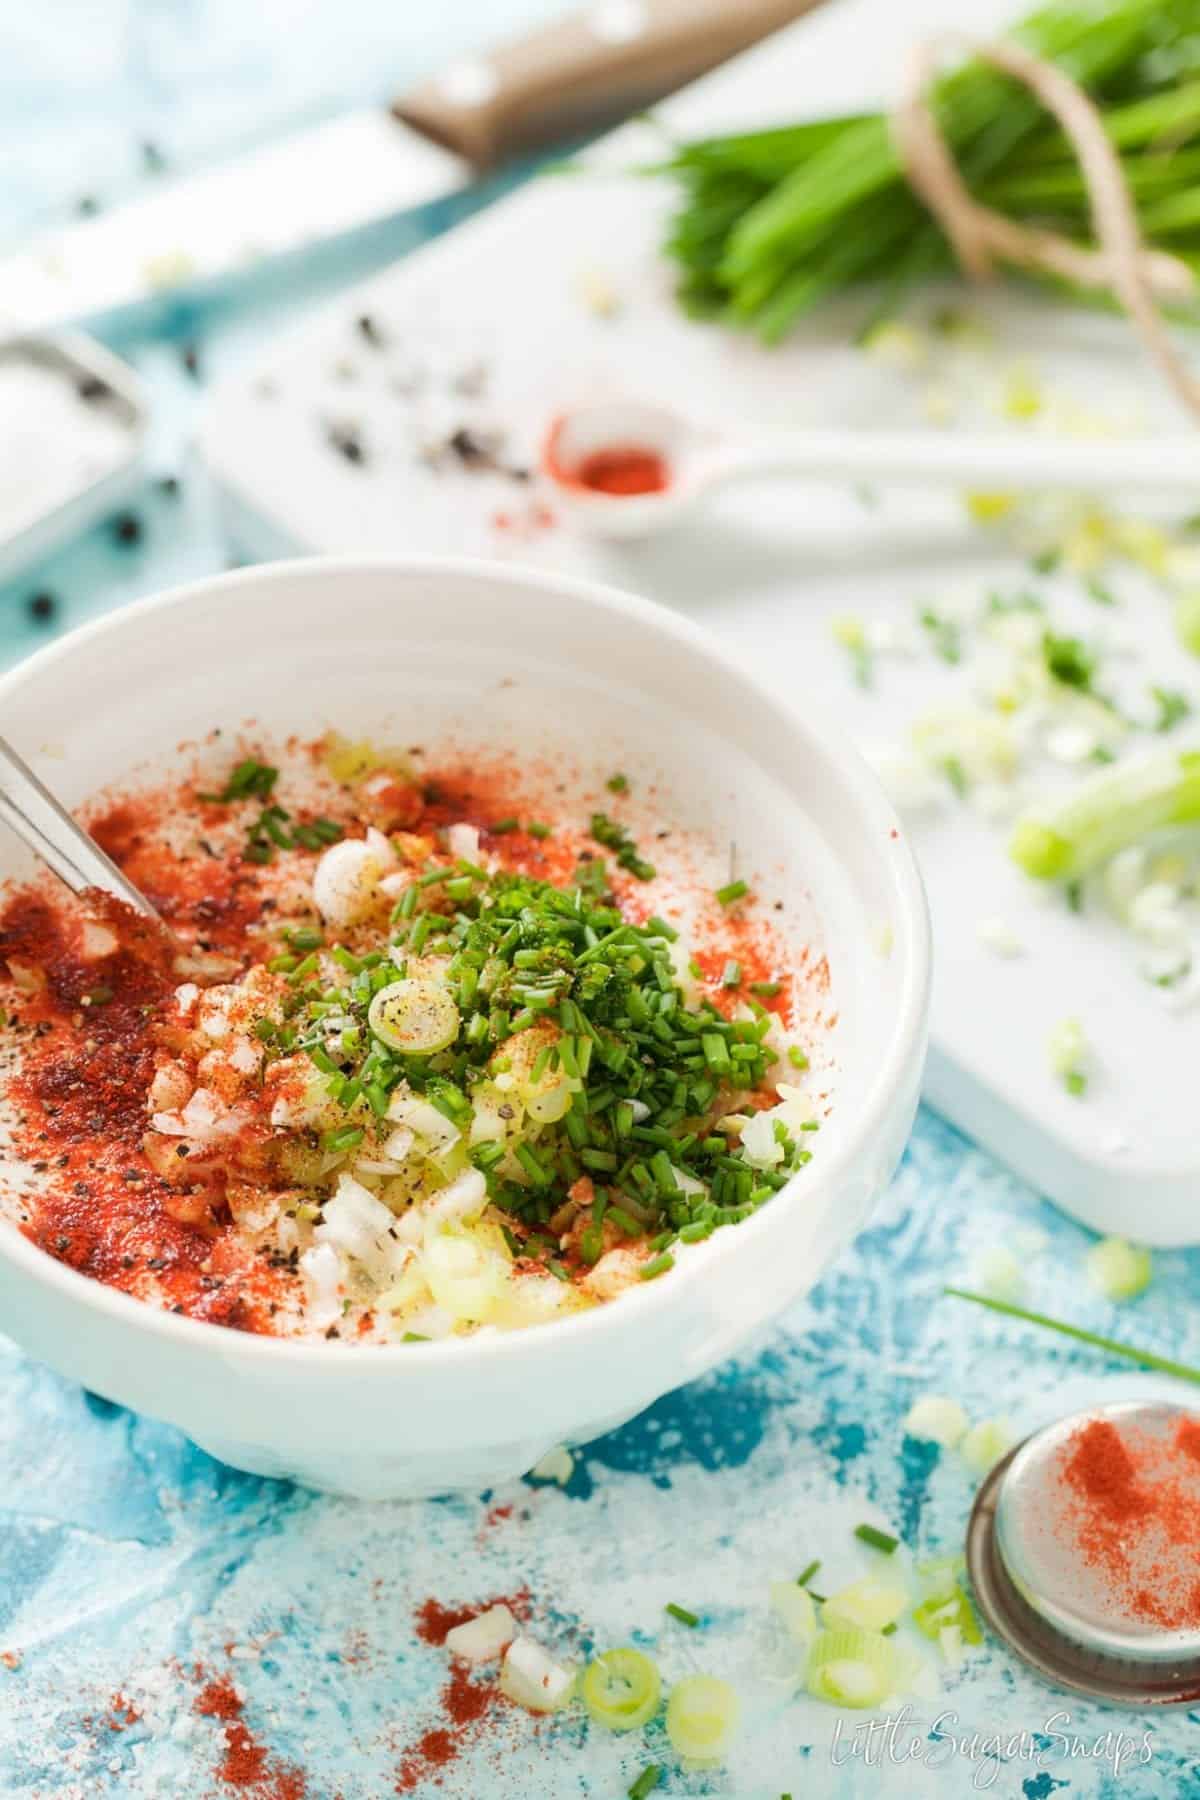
645, 1078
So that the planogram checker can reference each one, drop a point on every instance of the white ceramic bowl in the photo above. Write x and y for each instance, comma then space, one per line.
504, 657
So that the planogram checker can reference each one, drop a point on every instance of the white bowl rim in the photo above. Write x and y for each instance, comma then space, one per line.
905, 1046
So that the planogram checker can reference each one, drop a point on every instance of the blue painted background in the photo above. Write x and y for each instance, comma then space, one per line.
128, 1560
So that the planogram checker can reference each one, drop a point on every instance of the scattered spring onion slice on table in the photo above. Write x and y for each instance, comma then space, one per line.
621, 1689
852, 1667
1149, 1359
1108, 814
1119, 1269
702, 1717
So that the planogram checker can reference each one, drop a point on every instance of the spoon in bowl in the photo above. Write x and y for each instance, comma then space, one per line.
629, 468
30, 810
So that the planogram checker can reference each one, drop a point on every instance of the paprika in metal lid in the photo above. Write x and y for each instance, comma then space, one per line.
1084, 1552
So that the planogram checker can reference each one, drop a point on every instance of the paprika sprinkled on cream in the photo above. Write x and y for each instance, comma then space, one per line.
1130, 1505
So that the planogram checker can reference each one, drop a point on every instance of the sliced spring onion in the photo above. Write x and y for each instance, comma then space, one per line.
867, 1605
415, 1017
852, 1668
646, 1782
1109, 813
1119, 1269
681, 1613
932, 1616
621, 1689
999, 1272
733, 890
702, 1717
806, 1574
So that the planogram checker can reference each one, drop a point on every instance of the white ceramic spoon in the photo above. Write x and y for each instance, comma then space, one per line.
697, 461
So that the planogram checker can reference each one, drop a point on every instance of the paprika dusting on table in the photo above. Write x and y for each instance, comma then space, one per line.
1130, 1505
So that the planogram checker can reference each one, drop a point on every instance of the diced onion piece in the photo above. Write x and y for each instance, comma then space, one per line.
421, 1116
621, 1689
851, 1668
345, 886
463, 1198
796, 1608
1119, 1269
557, 1465
28, 977
353, 1220
484, 1636
702, 1717
463, 841
985, 1444
760, 1147
414, 1016
936, 1419
532, 1679
868, 1605
465, 1277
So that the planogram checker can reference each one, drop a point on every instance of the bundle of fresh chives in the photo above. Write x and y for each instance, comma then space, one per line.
773, 222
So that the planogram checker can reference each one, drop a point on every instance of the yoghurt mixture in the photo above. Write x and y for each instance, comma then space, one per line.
430, 1061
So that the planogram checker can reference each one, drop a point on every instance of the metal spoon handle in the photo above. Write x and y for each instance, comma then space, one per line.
30, 810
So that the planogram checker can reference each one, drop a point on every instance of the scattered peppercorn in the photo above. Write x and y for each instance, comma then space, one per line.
346, 441
190, 356
42, 605
368, 330
92, 387
169, 486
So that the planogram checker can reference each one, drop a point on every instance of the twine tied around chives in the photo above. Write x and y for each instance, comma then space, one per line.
1138, 277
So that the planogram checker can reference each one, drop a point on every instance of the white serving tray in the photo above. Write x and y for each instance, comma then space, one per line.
71, 459
767, 567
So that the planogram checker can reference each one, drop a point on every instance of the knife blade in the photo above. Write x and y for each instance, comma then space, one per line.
590, 68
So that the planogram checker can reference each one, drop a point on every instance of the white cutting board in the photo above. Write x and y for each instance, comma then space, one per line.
767, 567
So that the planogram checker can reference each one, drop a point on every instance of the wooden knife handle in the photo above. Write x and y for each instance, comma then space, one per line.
595, 66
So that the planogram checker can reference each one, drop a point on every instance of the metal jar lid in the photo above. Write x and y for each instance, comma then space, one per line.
1050, 1602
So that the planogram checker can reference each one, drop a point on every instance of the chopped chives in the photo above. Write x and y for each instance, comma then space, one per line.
617, 784
503, 826
646, 1782
536, 829
806, 1575
658, 1265
681, 1613
878, 1540
733, 890
766, 990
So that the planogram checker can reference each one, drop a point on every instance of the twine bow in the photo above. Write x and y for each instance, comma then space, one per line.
1138, 276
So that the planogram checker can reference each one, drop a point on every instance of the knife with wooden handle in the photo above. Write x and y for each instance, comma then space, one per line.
588, 69
585, 71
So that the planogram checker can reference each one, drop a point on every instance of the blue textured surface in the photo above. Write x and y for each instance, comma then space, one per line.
127, 1557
